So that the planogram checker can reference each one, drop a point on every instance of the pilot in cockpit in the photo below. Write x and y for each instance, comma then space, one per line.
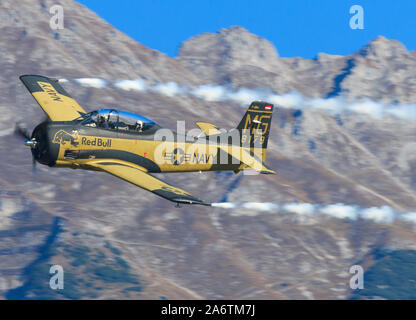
139, 126
102, 121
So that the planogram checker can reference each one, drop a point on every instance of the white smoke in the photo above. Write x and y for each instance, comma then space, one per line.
225, 205
261, 206
340, 211
169, 89
409, 217
383, 214
243, 96
208, 92
92, 82
299, 208
131, 85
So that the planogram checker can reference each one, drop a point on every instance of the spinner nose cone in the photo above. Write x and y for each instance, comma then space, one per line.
31, 143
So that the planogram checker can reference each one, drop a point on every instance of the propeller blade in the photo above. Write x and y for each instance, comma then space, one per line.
21, 131
34, 168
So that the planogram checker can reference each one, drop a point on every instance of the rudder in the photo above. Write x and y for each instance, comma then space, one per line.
255, 126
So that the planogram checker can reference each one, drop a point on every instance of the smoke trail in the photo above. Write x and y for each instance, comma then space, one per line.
169, 89
383, 214
299, 208
208, 92
409, 217
262, 206
131, 85
243, 96
340, 211
92, 82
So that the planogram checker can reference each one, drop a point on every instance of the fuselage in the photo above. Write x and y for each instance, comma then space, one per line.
72, 144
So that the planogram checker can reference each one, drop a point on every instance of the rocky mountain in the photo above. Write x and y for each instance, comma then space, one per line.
383, 70
116, 241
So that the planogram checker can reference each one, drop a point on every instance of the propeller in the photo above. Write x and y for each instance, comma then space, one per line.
34, 167
22, 132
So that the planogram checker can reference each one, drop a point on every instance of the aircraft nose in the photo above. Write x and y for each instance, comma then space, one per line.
40, 145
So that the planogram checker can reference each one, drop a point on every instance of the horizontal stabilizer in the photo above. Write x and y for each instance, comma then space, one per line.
250, 160
208, 128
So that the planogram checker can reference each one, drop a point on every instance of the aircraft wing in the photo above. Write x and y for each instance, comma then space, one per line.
138, 176
52, 98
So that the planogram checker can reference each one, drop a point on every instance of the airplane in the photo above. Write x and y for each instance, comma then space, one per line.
129, 146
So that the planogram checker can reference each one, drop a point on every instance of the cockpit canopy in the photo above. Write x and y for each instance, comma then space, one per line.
125, 121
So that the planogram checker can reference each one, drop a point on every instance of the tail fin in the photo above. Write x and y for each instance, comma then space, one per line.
256, 125
254, 130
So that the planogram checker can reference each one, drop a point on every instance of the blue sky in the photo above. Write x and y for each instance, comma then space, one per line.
297, 27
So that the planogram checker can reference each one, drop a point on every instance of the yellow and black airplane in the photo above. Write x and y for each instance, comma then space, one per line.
130, 146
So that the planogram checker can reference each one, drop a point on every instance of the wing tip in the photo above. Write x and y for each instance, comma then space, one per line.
268, 172
194, 201
25, 77
33, 75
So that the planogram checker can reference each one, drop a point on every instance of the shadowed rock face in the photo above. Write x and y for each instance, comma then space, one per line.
202, 252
